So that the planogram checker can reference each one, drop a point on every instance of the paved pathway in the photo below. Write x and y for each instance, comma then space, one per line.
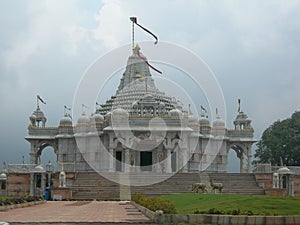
76, 212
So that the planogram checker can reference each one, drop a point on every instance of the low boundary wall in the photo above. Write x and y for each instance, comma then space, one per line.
159, 217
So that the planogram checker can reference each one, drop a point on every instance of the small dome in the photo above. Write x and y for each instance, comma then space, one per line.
38, 113
241, 117
203, 121
39, 168
192, 119
65, 121
120, 112
83, 119
98, 118
175, 112
3, 176
219, 122
283, 169
32, 117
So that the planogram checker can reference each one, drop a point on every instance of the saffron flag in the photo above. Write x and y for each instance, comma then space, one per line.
145, 60
134, 20
42, 101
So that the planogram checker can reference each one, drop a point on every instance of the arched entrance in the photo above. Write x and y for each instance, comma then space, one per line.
243, 153
48, 154
233, 162
40, 146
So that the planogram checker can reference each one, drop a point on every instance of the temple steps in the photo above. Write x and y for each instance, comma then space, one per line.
238, 183
90, 185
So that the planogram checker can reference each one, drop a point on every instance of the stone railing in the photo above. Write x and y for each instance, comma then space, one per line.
42, 131
240, 133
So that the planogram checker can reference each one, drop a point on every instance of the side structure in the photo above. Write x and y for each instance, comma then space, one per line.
120, 128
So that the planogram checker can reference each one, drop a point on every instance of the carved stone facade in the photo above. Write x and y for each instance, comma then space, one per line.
139, 129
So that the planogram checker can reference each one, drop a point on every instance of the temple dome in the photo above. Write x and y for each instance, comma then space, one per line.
175, 112
192, 119
119, 112
83, 119
219, 122
39, 168
98, 118
203, 121
65, 121
283, 170
3, 176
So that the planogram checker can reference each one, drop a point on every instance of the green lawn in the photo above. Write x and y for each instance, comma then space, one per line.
259, 205
5, 197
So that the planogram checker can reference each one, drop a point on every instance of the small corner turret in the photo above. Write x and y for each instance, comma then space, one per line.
38, 116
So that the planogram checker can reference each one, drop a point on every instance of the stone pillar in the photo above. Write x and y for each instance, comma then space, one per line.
127, 161
33, 157
242, 162
43, 184
111, 160
291, 191
31, 184
169, 161
249, 164
184, 159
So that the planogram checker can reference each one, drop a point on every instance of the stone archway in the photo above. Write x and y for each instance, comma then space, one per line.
243, 152
37, 147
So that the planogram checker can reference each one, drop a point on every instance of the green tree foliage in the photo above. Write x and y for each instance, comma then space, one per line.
281, 139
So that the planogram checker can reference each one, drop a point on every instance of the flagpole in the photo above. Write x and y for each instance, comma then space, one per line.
132, 36
133, 19
37, 102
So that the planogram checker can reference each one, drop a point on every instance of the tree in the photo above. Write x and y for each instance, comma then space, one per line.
281, 139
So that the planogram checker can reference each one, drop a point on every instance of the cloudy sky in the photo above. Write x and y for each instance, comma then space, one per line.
253, 47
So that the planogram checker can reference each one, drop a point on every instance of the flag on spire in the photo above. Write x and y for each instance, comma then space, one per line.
203, 109
40, 99
146, 61
136, 49
66, 107
239, 103
134, 20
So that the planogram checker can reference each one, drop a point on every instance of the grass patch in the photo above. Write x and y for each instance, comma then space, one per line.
191, 203
5, 197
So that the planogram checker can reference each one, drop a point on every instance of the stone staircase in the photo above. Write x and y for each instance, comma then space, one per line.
90, 185
178, 183
238, 183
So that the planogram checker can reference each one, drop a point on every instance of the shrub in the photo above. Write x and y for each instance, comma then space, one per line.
14, 201
155, 203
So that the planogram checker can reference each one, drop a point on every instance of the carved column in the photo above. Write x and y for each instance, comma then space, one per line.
111, 160
241, 162
31, 184
184, 163
127, 161
169, 161
249, 163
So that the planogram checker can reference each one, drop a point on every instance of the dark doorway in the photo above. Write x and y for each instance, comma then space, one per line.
146, 161
118, 161
173, 161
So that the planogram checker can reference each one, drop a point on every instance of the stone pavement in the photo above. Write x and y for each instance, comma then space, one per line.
72, 212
